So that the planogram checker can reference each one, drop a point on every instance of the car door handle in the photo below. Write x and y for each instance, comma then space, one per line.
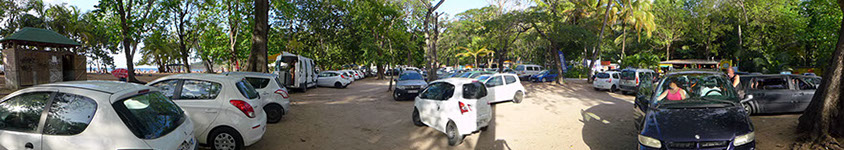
29, 146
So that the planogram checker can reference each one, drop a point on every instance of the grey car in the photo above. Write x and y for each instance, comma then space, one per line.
777, 93
408, 85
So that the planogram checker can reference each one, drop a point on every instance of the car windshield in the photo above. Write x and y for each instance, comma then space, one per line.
483, 77
700, 91
602, 75
410, 76
150, 115
475, 75
543, 72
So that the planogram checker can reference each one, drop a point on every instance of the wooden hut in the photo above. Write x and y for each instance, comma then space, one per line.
36, 56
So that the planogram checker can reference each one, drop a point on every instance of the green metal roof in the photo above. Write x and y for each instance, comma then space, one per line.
39, 37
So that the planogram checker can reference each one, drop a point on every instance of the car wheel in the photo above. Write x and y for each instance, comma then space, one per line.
454, 137
749, 107
596, 89
612, 89
544, 80
395, 95
225, 139
519, 96
416, 120
274, 113
338, 85
304, 88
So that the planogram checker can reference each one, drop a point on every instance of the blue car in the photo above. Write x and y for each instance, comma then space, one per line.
544, 76
692, 110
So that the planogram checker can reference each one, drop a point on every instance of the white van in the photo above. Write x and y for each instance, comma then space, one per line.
296, 72
525, 71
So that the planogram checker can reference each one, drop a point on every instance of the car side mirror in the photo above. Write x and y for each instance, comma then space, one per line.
747, 98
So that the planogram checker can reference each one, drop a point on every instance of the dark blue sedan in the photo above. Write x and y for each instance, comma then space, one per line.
692, 110
544, 76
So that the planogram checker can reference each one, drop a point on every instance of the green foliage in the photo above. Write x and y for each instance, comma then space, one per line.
641, 60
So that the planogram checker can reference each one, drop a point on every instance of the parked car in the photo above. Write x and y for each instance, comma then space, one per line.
455, 106
333, 79
93, 115
630, 78
707, 118
474, 74
357, 74
504, 87
607, 81
276, 98
408, 85
351, 74
544, 76
296, 71
777, 93
525, 71
224, 109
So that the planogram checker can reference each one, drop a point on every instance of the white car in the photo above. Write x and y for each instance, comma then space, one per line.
607, 81
93, 115
225, 109
276, 99
525, 71
454, 106
351, 75
333, 79
504, 87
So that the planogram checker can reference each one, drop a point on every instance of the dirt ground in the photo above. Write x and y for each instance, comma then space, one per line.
573, 116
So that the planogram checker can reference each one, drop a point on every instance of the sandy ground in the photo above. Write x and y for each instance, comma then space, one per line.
573, 116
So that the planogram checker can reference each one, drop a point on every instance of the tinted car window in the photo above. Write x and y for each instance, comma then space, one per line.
628, 75
246, 89
23, 112
168, 88
520, 68
615, 75
438, 91
772, 84
150, 115
258, 83
495, 81
474, 91
70, 114
509, 79
195, 89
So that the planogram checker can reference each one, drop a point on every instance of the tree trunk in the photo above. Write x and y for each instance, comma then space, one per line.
822, 121
598, 46
623, 40
257, 61
233, 25
668, 51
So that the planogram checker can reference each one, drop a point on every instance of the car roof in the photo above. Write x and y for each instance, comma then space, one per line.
694, 72
250, 74
110, 87
457, 81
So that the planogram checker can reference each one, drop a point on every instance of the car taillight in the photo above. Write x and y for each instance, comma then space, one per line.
342, 76
637, 80
464, 107
610, 81
281, 92
244, 107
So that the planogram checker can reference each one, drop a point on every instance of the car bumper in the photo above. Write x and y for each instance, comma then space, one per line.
628, 88
252, 134
407, 93
748, 146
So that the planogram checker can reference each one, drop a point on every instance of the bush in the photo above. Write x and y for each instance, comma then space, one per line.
577, 72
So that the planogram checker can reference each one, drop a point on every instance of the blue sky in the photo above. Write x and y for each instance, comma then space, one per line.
450, 7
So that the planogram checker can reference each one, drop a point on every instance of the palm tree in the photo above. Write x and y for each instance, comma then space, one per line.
474, 53
636, 13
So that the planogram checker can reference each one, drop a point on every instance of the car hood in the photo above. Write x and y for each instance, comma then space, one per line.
411, 82
710, 124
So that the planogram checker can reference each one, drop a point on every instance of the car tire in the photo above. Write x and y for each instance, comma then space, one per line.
596, 89
416, 120
396, 95
338, 85
543, 80
225, 138
518, 97
274, 113
613, 89
454, 137
750, 107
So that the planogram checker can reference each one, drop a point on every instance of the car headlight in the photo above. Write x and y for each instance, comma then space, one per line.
744, 139
649, 141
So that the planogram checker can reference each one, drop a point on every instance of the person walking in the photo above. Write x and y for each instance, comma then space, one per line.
736, 81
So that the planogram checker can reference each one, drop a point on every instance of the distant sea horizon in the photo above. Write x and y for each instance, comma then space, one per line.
143, 69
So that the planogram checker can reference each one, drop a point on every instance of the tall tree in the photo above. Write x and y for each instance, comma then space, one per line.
257, 61
598, 45
430, 27
183, 14
135, 16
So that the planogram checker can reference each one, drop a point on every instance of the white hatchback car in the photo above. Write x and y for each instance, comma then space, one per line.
504, 87
276, 99
351, 74
332, 79
455, 106
607, 81
93, 115
224, 109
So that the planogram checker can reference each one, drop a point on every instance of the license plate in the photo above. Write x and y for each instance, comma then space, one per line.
412, 91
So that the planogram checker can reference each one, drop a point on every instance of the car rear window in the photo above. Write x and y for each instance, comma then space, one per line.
602, 75
149, 115
628, 75
246, 89
258, 83
474, 90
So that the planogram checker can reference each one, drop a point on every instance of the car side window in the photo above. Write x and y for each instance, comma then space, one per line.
495, 81
258, 83
615, 75
70, 114
23, 112
438, 91
803, 85
168, 87
474, 91
196, 89
510, 79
